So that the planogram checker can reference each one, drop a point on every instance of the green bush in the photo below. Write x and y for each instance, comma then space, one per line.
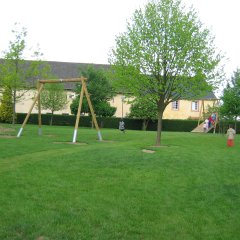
6, 106
113, 122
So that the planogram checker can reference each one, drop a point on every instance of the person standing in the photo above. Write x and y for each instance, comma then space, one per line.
214, 117
206, 122
205, 127
122, 126
230, 136
209, 122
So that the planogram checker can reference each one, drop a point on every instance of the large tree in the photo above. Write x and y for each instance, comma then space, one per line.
100, 90
165, 55
230, 108
16, 72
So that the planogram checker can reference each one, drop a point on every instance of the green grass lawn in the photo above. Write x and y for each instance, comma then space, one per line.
51, 189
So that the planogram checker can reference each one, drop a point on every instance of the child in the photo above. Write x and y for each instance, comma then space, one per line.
230, 136
206, 124
122, 126
209, 121
204, 127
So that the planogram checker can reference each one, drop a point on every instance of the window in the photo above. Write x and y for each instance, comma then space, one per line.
195, 105
175, 105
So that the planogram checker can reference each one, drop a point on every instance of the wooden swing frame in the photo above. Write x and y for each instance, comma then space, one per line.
40, 85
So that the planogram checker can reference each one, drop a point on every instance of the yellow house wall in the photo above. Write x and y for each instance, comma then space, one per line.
123, 107
185, 110
24, 105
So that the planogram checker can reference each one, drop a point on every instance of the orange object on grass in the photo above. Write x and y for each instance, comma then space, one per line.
230, 142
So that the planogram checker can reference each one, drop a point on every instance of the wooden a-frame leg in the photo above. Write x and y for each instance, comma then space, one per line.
92, 111
78, 116
30, 110
39, 113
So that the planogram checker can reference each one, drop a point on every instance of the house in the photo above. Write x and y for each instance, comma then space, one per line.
181, 109
190, 109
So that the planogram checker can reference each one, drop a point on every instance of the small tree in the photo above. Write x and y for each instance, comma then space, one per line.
53, 98
104, 109
230, 108
6, 106
143, 109
165, 55
101, 92
15, 71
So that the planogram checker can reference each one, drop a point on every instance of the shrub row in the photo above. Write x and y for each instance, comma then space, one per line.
85, 121
131, 124
106, 122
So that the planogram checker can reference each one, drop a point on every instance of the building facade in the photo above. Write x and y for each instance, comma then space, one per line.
181, 109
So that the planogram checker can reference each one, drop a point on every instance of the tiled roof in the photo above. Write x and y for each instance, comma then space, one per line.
206, 96
64, 70
210, 96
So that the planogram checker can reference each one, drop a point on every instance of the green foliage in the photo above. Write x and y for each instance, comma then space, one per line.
103, 109
108, 122
142, 108
53, 98
6, 106
165, 55
130, 124
230, 108
100, 91
15, 71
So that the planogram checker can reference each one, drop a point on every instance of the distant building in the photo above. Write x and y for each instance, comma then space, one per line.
181, 109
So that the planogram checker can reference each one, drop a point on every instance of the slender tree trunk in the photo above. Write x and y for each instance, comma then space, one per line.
14, 107
145, 124
15, 91
51, 119
159, 126
236, 124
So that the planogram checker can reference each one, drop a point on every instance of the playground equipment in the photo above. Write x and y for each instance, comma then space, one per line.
84, 90
199, 127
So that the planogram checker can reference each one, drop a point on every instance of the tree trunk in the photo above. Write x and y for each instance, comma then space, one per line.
144, 124
51, 119
236, 124
15, 92
14, 107
159, 127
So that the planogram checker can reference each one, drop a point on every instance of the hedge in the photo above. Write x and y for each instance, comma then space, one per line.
113, 122
107, 122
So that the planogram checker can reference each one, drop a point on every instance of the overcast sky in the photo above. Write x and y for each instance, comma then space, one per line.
84, 30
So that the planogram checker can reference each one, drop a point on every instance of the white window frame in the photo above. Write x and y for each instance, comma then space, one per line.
175, 105
195, 106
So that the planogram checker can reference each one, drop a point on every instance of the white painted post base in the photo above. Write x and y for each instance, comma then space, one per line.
40, 132
20, 132
99, 136
74, 136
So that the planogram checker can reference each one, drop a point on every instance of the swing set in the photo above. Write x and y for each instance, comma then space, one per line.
40, 85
